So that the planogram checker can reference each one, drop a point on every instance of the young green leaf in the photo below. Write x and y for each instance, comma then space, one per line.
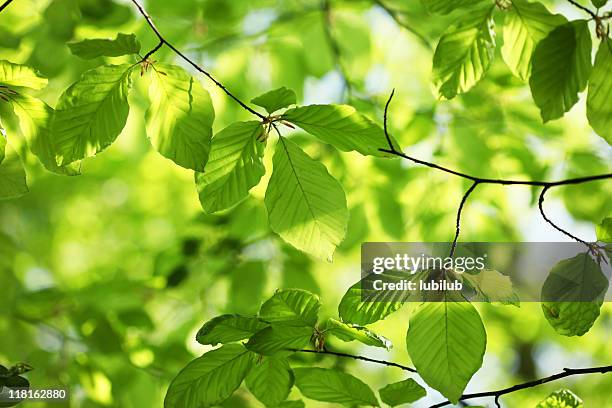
20, 76
446, 342
276, 99
446, 6
123, 44
349, 332
572, 295
464, 53
599, 3
180, 118
340, 126
526, 24
91, 113
599, 107
604, 230
234, 166
403, 392
280, 339
561, 67
295, 307
270, 381
492, 286
228, 328
12, 175
306, 205
323, 384
561, 399
35, 120
210, 379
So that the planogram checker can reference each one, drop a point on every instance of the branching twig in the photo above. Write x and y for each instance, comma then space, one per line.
567, 372
356, 357
483, 180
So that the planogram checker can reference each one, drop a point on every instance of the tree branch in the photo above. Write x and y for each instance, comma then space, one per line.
163, 41
483, 180
356, 357
581, 7
5, 4
567, 372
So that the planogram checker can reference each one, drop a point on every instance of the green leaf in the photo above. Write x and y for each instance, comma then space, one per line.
2, 146
446, 342
526, 24
123, 44
14, 75
270, 381
91, 113
228, 328
306, 205
492, 286
180, 118
561, 399
12, 175
291, 404
446, 6
561, 67
280, 339
403, 392
210, 379
340, 126
599, 3
349, 332
276, 99
464, 53
323, 384
599, 109
234, 166
291, 307
604, 230
35, 121
572, 295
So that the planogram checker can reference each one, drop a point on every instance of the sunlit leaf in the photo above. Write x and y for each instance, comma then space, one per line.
446, 6
91, 113
329, 385
291, 307
14, 75
276, 99
179, 121
228, 328
270, 381
280, 339
349, 332
306, 205
492, 286
234, 166
599, 107
402, 392
123, 44
604, 230
561, 399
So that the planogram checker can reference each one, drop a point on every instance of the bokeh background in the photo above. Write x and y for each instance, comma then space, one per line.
106, 277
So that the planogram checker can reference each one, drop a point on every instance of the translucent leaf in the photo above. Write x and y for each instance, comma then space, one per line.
91, 113
329, 385
180, 118
402, 392
340, 126
210, 379
492, 286
464, 53
446, 6
234, 166
228, 328
12, 175
14, 75
604, 230
599, 105
561, 67
280, 339
123, 44
306, 205
276, 99
349, 332
291, 307
525, 25
561, 399
270, 381
446, 342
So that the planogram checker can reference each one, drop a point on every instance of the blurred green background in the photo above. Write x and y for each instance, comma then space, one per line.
106, 277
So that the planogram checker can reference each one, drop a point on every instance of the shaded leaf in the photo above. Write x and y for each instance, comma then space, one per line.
123, 44
180, 118
280, 339
276, 99
234, 166
306, 205
599, 110
402, 392
291, 307
329, 385
12, 175
228, 328
446, 6
270, 381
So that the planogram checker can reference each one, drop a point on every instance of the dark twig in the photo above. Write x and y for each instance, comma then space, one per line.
581, 7
567, 372
400, 22
5, 4
163, 41
481, 180
459, 210
355, 357
555, 226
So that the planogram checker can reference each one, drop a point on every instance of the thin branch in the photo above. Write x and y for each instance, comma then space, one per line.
567, 372
385, 121
356, 357
163, 41
398, 20
555, 226
5, 5
581, 7
459, 210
